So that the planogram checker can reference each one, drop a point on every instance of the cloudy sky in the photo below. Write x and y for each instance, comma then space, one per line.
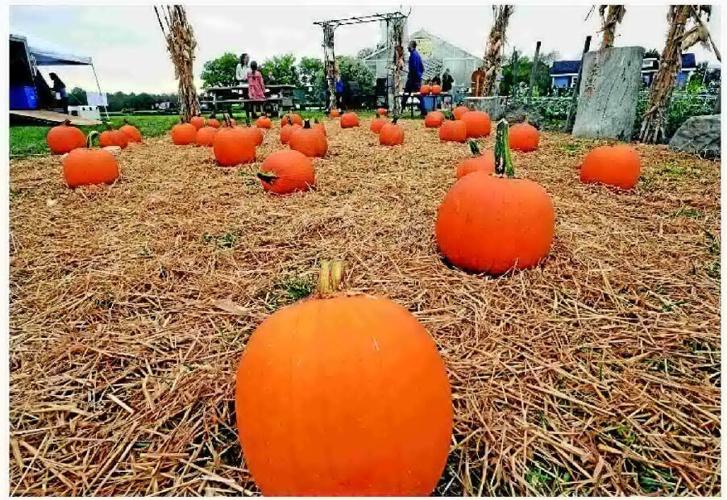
129, 52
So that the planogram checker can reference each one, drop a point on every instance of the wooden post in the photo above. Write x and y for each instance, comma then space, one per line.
513, 69
396, 41
576, 87
329, 61
533, 71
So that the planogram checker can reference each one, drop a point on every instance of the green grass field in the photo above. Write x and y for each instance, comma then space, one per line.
30, 139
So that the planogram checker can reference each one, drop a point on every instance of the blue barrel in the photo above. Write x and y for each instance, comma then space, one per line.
23, 97
428, 102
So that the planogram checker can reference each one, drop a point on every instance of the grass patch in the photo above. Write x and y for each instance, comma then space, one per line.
688, 212
547, 479
223, 241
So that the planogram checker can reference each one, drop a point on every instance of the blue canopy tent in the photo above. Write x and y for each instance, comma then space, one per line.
25, 59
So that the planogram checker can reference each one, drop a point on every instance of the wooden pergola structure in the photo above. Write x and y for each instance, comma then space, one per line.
395, 24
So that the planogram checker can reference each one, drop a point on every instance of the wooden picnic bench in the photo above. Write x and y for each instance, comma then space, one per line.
279, 97
411, 104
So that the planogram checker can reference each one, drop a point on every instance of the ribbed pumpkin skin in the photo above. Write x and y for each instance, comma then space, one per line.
343, 396
294, 171
64, 138
478, 123
377, 123
491, 224
459, 111
485, 163
184, 133
205, 136
131, 132
213, 122
309, 141
255, 134
618, 166
232, 146
434, 119
436, 89
85, 166
292, 118
113, 138
524, 137
425, 90
453, 130
264, 122
197, 122
321, 128
286, 131
349, 120
392, 134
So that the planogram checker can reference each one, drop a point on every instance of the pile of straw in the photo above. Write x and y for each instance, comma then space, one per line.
597, 373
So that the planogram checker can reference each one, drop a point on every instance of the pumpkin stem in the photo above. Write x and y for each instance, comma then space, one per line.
394, 120
268, 177
89, 139
331, 276
474, 148
306, 124
503, 157
66, 122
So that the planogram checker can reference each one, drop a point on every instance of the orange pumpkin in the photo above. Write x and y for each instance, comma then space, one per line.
205, 136
436, 89
309, 141
287, 171
254, 134
64, 138
88, 165
264, 122
617, 166
478, 162
320, 127
334, 113
459, 111
213, 122
377, 123
343, 395
184, 133
197, 121
131, 132
453, 130
478, 123
382, 111
349, 120
232, 146
292, 118
524, 137
112, 137
425, 90
392, 134
434, 119
492, 224
286, 131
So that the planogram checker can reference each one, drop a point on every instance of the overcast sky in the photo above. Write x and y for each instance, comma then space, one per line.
129, 52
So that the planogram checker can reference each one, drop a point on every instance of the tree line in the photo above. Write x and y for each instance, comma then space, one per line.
119, 101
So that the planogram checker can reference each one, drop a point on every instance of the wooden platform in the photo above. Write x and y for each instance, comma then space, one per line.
43, 115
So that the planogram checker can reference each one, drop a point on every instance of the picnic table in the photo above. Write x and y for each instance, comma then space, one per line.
277, 96
411, 104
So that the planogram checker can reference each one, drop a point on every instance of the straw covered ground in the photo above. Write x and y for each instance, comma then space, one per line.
597, 373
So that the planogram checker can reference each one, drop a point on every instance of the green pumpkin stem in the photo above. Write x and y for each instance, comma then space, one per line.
331, 276
268, 177
89, 139
503, 157
474, 148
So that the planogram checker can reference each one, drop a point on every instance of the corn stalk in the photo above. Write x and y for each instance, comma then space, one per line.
678, 39
396, 40
495, 49
611, 16
329, 60
181, 43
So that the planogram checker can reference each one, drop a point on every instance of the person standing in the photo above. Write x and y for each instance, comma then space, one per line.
340, 88
243, 68
447, 84
59, 89
414, 78
256, 87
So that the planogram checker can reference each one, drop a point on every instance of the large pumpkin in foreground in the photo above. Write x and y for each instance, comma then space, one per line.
343, 396
64, 138
84, 166
493, 224
617, 166
288, 171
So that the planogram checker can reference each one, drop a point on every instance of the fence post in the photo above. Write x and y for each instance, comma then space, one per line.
533, 70
576, 88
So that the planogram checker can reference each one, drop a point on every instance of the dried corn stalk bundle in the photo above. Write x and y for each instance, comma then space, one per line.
180, 44
495, 49
611, 16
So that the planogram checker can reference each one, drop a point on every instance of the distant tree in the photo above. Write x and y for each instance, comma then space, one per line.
281, 70
220, 71
365, 52
77, 97
310, 70
354, 70
652, 53
522, 76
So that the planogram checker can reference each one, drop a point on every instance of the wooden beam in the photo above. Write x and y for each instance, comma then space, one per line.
533, 71
574, 100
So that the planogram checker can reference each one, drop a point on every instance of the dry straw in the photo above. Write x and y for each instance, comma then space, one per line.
595, 374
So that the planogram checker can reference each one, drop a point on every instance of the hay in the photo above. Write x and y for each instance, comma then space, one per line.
595, 374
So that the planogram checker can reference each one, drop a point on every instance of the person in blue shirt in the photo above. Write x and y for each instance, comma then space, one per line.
414, 78
339, 91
